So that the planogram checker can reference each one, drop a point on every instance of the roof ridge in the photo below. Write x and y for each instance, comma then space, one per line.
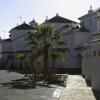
60, 19
23, 26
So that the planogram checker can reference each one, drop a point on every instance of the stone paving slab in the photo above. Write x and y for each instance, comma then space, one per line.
76, 89
14, 87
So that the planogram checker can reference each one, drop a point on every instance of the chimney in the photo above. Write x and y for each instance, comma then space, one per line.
46, 18
90, 11
57, 14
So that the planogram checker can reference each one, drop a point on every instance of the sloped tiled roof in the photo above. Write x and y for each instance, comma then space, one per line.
82, 29
33, 21
93, 11
23, 26
59, 19
7, 40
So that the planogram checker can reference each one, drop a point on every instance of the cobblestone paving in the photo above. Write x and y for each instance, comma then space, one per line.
13, 87
76, 89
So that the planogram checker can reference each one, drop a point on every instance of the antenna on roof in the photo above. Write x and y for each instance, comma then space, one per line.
20, 19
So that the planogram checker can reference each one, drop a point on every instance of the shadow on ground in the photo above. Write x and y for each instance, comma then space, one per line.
26, 84
19, 84
96, 94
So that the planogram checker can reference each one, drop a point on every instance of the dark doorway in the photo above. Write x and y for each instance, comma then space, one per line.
79, 61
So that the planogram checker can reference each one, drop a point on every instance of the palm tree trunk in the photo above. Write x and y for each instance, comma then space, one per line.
54, 65
34, 70
46, 63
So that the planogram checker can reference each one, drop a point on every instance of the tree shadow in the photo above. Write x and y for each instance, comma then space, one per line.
58, 83
25, 84
20, 84
96, 94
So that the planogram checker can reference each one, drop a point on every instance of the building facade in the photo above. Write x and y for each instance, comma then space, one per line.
74, 36
91, 51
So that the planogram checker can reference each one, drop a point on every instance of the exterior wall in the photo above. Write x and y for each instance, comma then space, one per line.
74, 39
91, 55
6, 51
81, 38
91, 62
86, 63
89, 21
7, 46
95, 65
19, 42
69, 60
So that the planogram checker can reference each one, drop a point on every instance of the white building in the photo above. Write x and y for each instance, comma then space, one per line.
75, 38
16, 43
91, 50
6, 51
83, 43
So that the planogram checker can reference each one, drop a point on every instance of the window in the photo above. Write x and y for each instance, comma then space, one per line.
90, 22
89, 55
98, 53
94, 53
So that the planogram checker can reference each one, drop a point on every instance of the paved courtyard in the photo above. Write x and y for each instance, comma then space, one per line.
77, 89
14, 87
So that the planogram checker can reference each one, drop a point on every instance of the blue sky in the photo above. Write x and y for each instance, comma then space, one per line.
39, 9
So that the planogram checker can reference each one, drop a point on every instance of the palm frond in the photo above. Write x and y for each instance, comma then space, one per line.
60, 50
61, 43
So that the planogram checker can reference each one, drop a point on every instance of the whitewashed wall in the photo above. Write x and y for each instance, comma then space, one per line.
81, 38
6, 50
7, 46
91, 65
95, 76
89, 21
19, 40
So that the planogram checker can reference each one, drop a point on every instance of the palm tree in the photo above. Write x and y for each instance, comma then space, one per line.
46, 43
